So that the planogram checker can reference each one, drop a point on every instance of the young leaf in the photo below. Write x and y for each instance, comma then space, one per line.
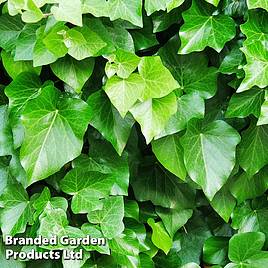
159, 236
158, 80
150, 116
124, 93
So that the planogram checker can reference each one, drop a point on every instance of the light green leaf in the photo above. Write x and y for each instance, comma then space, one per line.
174, 219
43, 53
116, 9
72, 72
123, 63
188, 106
173, 4
16, 207
209, 154
213, 2
68, 10
245, 245
46, 148
83, 42
32, 13
257, 4
252, 149
124, 93
169, 153
160, 237
158, 80
14, 68
107, 120
255, 50
202, 29
110, 217
87, 188
245, 103
150, 116
155, 5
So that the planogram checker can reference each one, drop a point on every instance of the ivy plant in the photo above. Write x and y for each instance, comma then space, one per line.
141, 122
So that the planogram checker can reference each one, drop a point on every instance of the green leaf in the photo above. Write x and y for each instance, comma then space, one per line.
72, 72
150, 116
32, 13
191, 71
124, 93
202, 29
174, 219
188, 106
251, 151
16, 207
224, 203
107, 120
104, 159
162, 189
209, 154
82, 42
257, 4
231, 61
116, 9
6, 140
169, 152
160, 237
245, 245
131, 209
123, 63
245, 103
49, 45
263, 118
215, 250
155, 5
110, 217
87, 188
246, 187
158, 80
10, 28
45, 148
255, 50
54, 222
20, 91
68, 10
213, 2
26, 42
14, 68
250, 219
88, 228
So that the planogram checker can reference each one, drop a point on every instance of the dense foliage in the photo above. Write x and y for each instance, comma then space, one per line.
144, 122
